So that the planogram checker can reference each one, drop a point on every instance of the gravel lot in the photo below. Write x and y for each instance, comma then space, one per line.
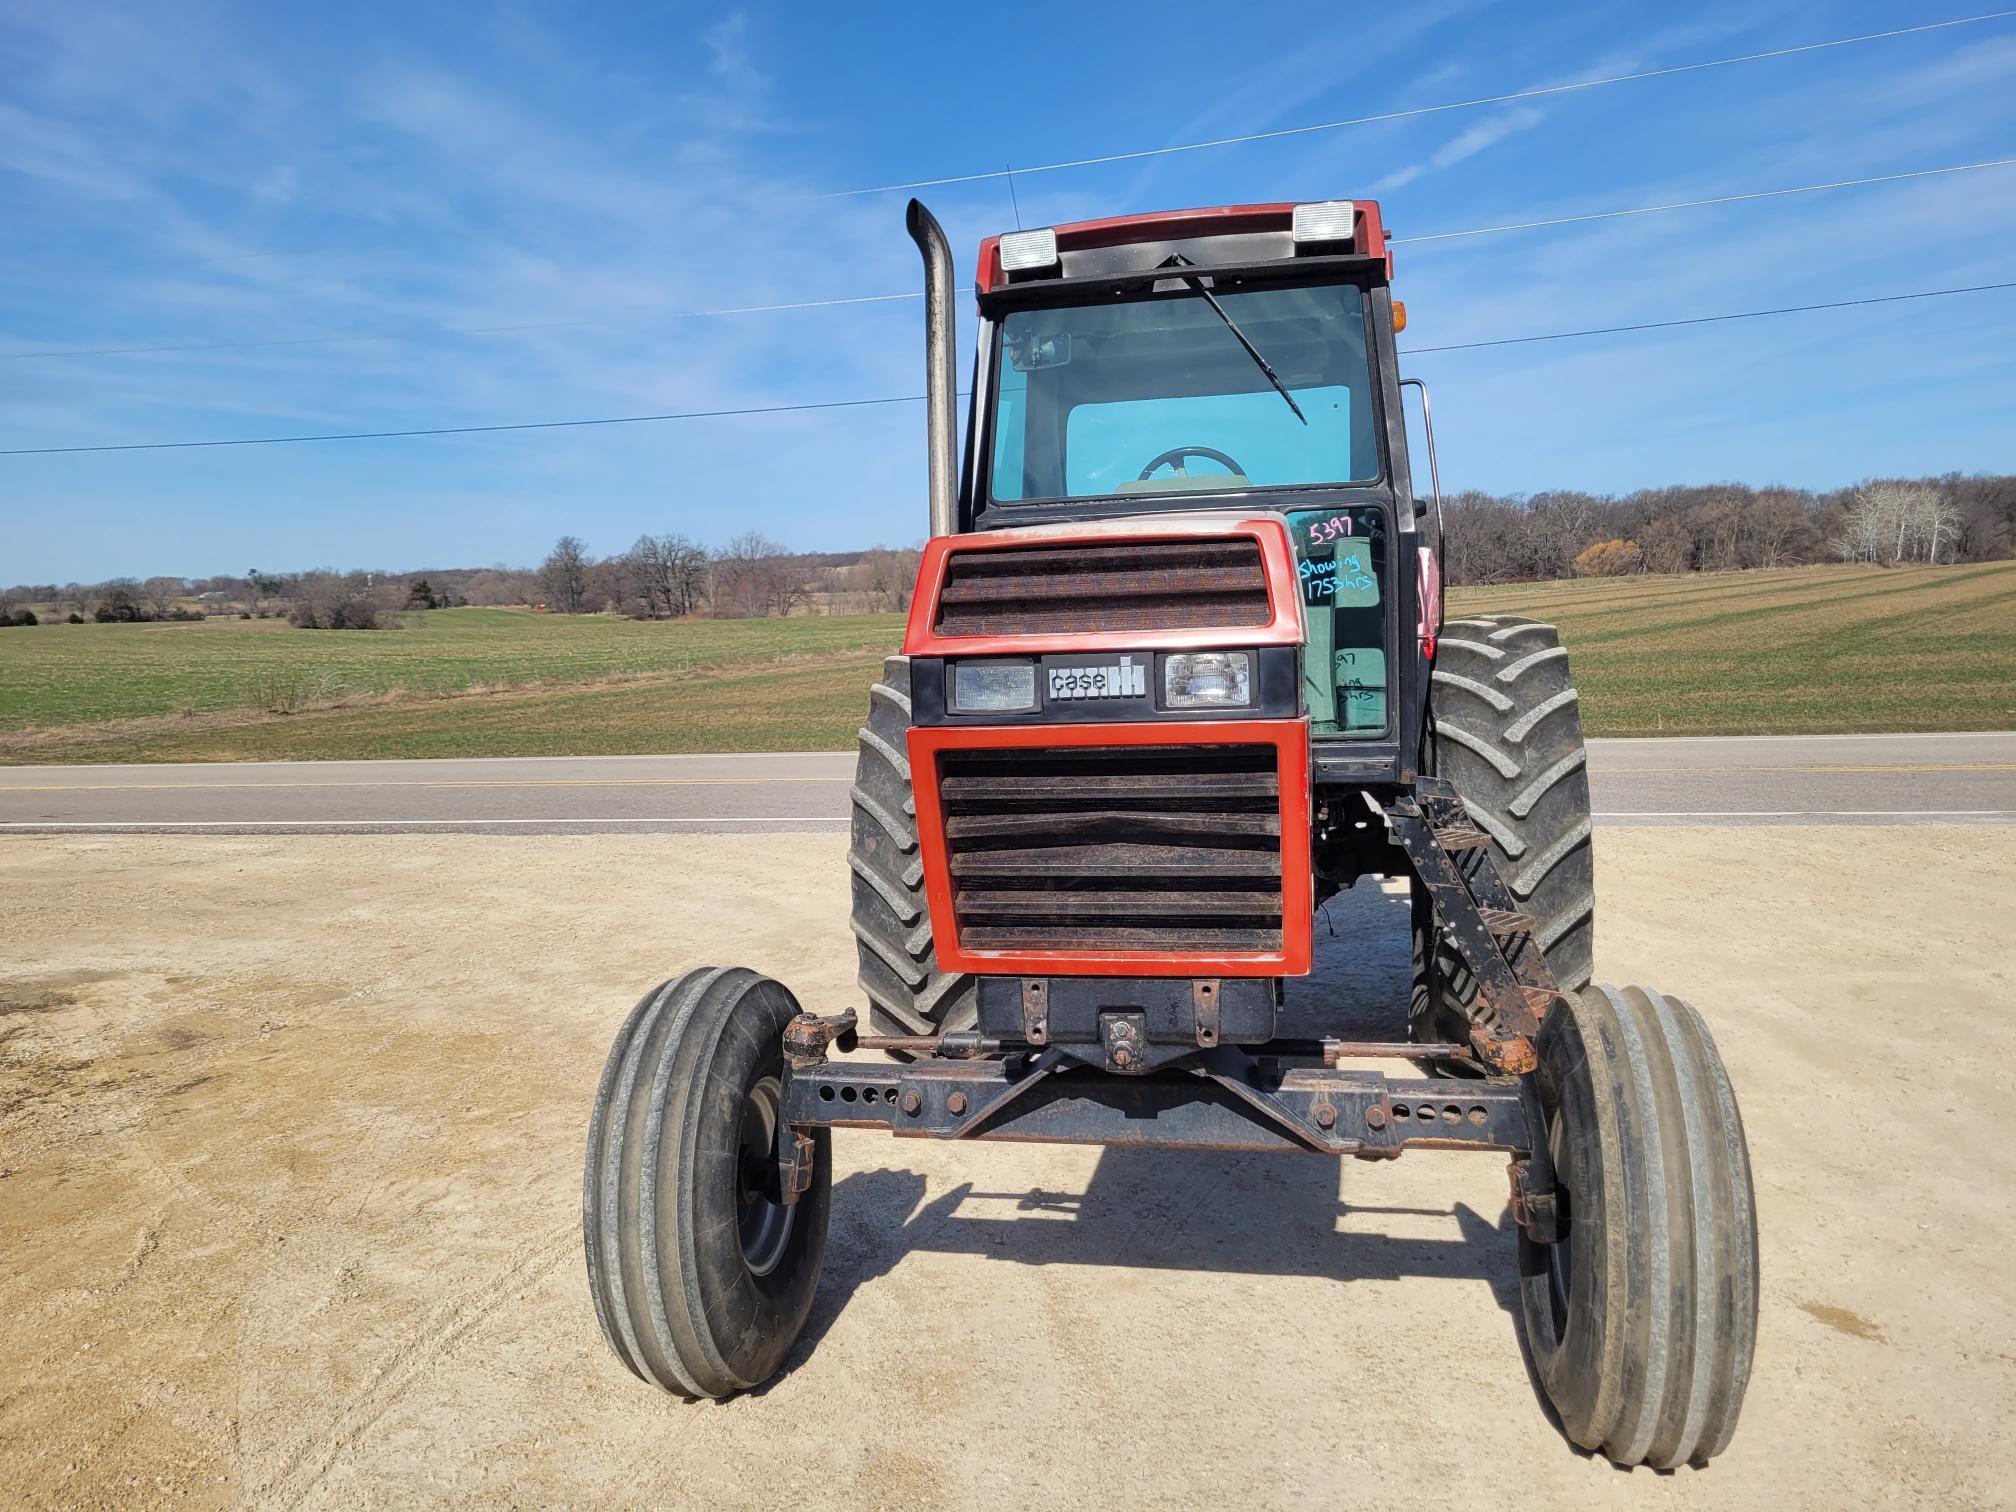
289, 1172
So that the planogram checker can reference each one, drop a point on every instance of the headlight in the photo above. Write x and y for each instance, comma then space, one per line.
1208, 680
1001, 687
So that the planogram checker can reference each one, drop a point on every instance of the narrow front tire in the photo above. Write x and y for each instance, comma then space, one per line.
1642, 1318
702, 1276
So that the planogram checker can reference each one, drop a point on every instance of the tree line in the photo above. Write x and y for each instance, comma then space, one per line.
1493, 538
657, 577
671, 576
1488, 538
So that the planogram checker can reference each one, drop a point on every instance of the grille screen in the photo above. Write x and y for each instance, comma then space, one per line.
1155, 848
1142, 585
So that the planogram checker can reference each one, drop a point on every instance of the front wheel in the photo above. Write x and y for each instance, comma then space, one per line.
702, 1275
1642, 1317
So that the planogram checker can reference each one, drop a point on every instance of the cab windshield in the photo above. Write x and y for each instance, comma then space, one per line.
1160, 395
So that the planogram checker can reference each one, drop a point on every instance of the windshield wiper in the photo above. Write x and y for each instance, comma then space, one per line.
1232, 325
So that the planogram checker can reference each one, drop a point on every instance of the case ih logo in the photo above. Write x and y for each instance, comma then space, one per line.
1123, 679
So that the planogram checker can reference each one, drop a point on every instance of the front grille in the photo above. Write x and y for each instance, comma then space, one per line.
1133, 848
1139, 585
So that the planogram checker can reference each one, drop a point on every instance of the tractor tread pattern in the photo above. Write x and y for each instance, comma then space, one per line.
907, 992
1519, 764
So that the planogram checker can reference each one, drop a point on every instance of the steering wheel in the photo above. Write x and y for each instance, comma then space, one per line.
1175, 455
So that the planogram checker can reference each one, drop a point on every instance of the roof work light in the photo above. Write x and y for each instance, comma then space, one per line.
1026, 251
1324, 221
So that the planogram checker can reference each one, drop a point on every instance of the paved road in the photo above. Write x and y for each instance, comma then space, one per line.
1840, 779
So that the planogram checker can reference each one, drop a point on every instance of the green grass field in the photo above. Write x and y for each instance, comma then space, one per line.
1808, 649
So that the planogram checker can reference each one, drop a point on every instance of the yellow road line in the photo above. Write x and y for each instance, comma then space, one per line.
1877, 767
185, 787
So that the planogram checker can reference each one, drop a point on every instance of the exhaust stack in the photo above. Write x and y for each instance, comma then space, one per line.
940, 366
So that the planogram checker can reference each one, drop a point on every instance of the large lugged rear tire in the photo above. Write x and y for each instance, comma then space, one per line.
1508, 733
907, 993
702, 1277
1642, 1320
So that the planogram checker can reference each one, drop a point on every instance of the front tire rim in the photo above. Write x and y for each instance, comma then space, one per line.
763, 1221
1560, 1254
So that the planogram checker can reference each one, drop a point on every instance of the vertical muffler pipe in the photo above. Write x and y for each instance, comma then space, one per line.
940, 376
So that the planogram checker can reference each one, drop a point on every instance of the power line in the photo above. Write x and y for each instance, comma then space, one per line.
1234, 141
864, 299
830, 404
1720, 199
1692, 320
465, 430
1426, 110
421, 335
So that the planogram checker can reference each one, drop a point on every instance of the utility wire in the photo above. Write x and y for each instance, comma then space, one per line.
1720, 199
830, 404
1288, 131
1426, 110
466, 430
1692, 320
421, 335
863, 299
1120, 157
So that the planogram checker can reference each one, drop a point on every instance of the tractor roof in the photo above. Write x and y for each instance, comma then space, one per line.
1275, 231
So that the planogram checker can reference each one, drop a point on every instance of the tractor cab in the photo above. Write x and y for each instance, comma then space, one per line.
1234, 360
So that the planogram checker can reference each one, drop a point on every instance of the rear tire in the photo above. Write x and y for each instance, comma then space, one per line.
907, 993
1508, 734
1642, 1320
702, 1278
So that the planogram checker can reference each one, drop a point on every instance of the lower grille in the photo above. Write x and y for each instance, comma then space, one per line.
1132, 848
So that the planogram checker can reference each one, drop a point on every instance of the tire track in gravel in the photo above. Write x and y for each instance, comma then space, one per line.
448, 1324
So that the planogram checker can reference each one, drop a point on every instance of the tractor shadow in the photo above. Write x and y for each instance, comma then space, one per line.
1231, 1214
1197, 1210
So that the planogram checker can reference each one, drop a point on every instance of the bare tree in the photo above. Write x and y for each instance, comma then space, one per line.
690, 569
1666, 545
498, 585
890, 577
650, 576
606, 589
564, 575
330, 600
1888, 520
790, 581
1718, 530
1940, 521
667, 575
162, 595
1560, 525
1771, 526
744, 575
1860, 538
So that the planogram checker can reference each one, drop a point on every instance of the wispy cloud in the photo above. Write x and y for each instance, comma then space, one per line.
1466, 144
188, 176
739, 96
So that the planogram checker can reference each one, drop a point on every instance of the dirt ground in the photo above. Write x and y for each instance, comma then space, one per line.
290, 1141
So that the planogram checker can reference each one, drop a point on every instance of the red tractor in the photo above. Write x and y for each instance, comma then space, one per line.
1175, 673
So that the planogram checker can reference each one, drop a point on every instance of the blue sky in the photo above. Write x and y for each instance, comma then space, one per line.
209, 173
